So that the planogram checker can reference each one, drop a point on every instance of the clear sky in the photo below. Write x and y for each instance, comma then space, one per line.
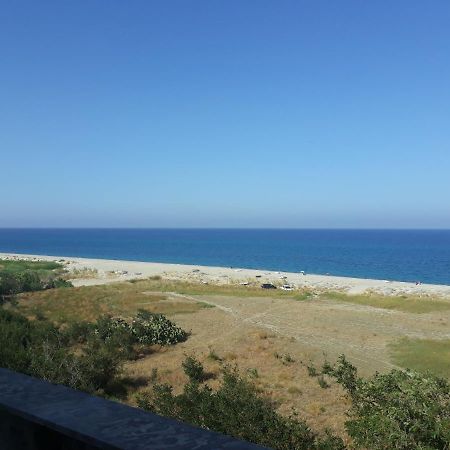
225, 113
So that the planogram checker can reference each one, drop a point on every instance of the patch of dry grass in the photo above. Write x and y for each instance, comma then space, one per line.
232, 290
90, 302
125, 298
252, 350
84, 273
411, 304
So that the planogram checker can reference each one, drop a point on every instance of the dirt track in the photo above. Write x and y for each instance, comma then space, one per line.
329, 327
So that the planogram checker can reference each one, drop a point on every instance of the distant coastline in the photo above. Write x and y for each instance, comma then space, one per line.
109, 271
406, 255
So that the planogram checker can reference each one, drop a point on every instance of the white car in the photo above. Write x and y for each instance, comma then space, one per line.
287, 287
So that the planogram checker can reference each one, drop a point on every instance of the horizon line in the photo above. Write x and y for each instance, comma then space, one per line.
230, 228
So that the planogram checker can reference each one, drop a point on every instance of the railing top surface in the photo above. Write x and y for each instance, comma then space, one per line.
103, 423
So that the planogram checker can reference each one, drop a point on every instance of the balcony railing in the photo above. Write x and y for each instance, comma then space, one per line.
37, 415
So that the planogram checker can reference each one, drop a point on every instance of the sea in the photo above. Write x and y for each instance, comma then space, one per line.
402, 255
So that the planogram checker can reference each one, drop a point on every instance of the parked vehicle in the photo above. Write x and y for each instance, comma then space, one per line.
268, 286
287, 287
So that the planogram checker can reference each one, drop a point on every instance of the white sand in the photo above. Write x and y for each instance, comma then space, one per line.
116, 270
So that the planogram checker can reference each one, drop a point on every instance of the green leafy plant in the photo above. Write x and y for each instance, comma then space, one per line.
84, 356
399, 410
236, 408
322, 382
145, 329
213, 356
20, 277
149, 328
193, 368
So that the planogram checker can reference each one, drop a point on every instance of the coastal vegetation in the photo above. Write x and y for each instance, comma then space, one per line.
235, 408
86, 356
398, 410
157, 344
22, 265
28, 276
89, 302
40, 349
174, 298
401, 409
127, 297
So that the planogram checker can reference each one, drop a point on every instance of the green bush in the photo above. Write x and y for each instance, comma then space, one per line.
10, 284
30, 281
194, 369
101, 365
398, 410
107, 327
237, 409
78, 332
20, 265
322, 382
14, 282
52, 362
115, 333
16, 335
145, 329
39, 349
149, 328
56, 283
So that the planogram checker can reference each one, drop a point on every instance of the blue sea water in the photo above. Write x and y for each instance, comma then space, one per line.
405, 255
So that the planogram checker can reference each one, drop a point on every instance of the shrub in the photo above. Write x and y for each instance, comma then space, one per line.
237, 409
84, 356
193, 369
149, 328
12, 283
15, 339
154, 375
101, 365
9, 284
322, 382
51, 361
213, 356
78, 332
58, 283
398, 410
146, 328
39, 349
107, 327
30, 281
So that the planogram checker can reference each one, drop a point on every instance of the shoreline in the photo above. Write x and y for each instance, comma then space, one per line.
111, 270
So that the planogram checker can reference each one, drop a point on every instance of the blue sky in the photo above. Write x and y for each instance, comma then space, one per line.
225, 114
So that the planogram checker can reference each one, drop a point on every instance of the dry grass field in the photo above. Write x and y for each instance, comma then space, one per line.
273, 336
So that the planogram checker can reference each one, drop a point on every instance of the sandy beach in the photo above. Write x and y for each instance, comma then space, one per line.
101, 271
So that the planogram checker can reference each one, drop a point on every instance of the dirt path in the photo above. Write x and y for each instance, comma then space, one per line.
332, 327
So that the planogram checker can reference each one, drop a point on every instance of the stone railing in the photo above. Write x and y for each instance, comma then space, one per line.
37, 415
